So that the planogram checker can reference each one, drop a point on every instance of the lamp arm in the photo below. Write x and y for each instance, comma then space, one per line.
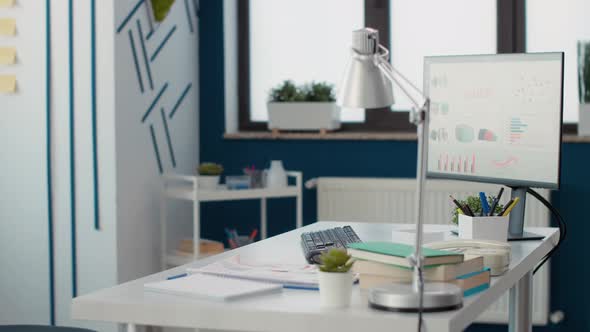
381, 60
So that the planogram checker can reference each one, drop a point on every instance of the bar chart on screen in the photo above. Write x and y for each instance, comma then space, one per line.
456, 163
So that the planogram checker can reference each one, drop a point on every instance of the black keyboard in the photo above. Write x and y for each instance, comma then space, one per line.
315, 243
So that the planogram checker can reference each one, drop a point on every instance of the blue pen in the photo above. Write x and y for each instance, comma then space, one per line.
177, 276
228, 233
485, 208
301, 287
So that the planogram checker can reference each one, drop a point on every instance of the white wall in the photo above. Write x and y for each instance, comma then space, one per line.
138, 181
96, 255
127, 244
24, 281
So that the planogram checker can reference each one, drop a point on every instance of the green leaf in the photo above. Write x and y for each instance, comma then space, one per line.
312, 92
335, 260
161, 8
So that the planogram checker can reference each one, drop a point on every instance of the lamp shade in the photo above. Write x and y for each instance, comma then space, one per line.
364, 85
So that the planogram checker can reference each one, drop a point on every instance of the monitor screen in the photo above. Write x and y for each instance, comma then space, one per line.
495, 118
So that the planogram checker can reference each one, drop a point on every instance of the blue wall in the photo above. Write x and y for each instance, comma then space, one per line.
366, 159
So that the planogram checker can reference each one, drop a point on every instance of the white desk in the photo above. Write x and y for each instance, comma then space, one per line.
299, 310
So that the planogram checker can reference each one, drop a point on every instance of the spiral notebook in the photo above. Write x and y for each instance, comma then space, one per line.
207, 287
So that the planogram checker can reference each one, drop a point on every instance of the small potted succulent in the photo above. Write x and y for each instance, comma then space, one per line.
209, 174
584, 87
335, 278
308, 107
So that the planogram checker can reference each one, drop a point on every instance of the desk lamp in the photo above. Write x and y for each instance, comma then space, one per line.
368, 84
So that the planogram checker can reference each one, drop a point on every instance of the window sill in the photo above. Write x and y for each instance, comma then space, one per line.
330, 136
352, 136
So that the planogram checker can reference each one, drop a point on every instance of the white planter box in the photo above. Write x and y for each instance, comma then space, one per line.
303, 116
483, 228
208, 182
584, 121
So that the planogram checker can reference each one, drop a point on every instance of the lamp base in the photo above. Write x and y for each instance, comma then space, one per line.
402, 297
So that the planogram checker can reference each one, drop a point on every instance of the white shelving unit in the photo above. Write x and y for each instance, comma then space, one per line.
185, 188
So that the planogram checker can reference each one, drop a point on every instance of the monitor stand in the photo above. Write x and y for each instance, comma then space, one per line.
516, 222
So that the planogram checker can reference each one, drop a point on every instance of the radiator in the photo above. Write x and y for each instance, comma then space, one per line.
393, 200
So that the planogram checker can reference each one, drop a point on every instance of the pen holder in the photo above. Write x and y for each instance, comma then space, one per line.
483, 228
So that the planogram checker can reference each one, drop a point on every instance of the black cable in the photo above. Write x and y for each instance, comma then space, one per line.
560, 223
421, 287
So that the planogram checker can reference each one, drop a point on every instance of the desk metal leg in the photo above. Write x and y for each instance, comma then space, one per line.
130, 327
263, 230
521, 305
299, 212
196, 228
163, 234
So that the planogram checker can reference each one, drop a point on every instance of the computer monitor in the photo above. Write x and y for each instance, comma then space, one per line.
495, 118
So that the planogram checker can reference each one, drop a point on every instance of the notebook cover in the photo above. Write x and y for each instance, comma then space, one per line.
398, 249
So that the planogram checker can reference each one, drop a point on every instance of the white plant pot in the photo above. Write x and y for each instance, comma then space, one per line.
584, 121
483, 228
303, 116
335, 289
208, 182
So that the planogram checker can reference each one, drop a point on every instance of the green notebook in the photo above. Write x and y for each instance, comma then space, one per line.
398, 253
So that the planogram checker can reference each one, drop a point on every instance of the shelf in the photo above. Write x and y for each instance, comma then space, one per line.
185, 192
177, 260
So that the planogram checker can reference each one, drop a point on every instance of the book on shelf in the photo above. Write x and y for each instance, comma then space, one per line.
431, 273
470, 283
206, 247
398, 253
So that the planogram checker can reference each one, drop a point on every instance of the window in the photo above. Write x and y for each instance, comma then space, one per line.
558, 26
303, 40
434, 27
307, 40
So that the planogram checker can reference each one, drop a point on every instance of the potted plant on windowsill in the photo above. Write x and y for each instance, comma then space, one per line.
335, 278
309, 107
209, 174
584, 87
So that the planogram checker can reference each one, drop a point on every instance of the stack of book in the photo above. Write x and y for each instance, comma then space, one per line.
379, 263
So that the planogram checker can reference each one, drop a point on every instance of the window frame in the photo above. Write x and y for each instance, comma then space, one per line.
511, 38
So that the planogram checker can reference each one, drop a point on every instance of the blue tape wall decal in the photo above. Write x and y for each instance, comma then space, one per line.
168, 140
128, 17
153, 104
50, 248
93, 110
163, 43
188, 16
135, 61
150, 34
156, 151
72, 150
145, 57
179, 101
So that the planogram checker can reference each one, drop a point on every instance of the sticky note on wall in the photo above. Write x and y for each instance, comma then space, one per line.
7, 27
6, 3
7, 55
7, 83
